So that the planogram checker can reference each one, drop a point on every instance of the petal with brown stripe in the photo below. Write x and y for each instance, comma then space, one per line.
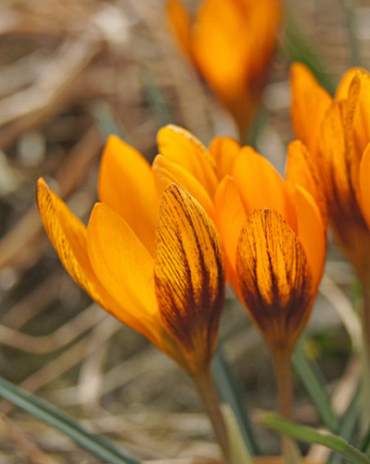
275, 278
68, 236
189, 275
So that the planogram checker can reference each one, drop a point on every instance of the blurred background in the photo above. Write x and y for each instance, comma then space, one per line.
71, 73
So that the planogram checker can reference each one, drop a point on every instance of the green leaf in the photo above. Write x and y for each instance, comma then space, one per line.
107, 122
365, 445
296, 46
156, 98
348, 426
310, 435
230, 393
96, 444
314, 384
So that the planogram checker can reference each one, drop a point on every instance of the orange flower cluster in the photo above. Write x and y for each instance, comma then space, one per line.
337, 132
230, 42
152, 256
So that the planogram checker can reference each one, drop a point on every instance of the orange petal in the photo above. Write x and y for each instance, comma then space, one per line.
167, 172
364, 185
275, 278
224, 151
361, 120
181, 147
179, 19
126, 184
189, 275
337, 161
345, 83
125, 268
309, 106
311, 232
221, 55
302, 170
230, 219
260, 185
68, 236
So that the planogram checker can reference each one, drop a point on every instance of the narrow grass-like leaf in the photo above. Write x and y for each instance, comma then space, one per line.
310, 435
314, 384
107, 121
96, 444
258, 123
365, 445
297, 47
349, 9
347, 427
230, 393
156, 98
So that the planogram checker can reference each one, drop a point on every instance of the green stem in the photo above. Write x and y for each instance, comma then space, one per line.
211, 402
365, 323
284, 378
366, 318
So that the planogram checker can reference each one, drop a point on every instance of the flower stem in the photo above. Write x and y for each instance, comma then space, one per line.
365, 323
366, 318
284, 378
211, 402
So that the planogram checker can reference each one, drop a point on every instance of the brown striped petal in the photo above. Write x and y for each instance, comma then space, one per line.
275, 278
68, 236
189, 275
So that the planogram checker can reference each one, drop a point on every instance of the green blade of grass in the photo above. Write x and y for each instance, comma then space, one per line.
107, 122
310, 435
312, 381
296, 46
96, 444
156, 98
365, 445
230, 393
347, 427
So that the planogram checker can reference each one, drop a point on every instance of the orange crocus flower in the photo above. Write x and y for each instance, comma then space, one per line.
275, 239
337, 131
153, 261
230, 42
274, 259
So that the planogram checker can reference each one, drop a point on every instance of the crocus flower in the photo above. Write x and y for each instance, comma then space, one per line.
230, 42
276, 244
337, 132
152, 260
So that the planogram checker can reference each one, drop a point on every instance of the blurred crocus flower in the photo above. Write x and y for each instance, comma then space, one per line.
337, 131
153, 261
230, 42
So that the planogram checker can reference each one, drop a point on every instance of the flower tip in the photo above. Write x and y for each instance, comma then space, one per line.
98, 210
42, 191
